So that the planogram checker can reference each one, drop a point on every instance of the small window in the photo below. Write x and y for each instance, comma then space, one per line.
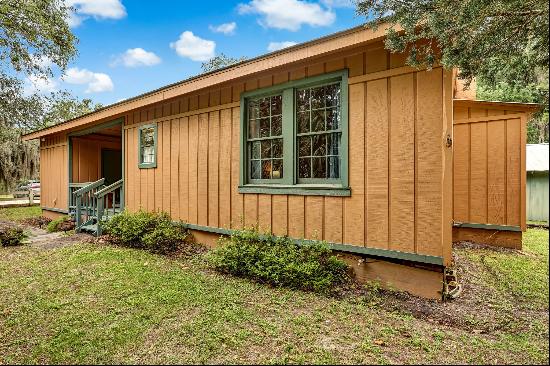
294, 137
148, 146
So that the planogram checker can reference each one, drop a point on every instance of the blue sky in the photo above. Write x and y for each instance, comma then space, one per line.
128, 47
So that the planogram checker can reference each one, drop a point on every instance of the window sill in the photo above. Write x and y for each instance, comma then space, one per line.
147, 166
298, 189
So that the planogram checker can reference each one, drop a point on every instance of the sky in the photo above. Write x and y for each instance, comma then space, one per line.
129, 47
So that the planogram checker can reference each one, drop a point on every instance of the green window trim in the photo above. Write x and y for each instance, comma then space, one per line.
153, 164
290, 183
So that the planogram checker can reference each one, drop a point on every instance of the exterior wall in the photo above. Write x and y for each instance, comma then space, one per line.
399, 166
489, 165
86, 156
54, 172
537, 196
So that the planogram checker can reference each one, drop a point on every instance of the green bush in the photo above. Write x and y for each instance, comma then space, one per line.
279, 261
63, 223
11, 235
146, 230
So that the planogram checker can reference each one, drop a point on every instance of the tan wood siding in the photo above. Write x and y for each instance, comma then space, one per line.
54, 173
489, 166
397, 133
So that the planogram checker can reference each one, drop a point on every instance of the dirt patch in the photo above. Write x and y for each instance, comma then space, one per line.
39, 222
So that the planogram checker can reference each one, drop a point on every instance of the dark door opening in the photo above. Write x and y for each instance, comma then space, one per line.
111, 165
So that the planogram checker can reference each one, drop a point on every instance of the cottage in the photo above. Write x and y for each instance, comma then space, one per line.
334, 139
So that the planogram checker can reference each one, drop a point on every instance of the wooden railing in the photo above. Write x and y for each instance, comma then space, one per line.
73, 187
86, 203
108, 202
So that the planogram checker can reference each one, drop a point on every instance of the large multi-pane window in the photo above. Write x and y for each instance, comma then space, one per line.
148, 146
294, 136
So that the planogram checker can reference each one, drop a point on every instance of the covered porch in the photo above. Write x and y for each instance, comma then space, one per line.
95, 174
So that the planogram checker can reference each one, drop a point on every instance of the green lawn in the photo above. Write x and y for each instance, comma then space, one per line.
19, 213
89, 303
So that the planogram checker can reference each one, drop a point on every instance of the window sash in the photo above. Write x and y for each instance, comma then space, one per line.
290, 135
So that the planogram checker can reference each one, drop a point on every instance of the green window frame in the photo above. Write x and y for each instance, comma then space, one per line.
152, 158
288, 180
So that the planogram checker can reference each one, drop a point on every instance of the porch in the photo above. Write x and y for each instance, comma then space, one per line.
95, 188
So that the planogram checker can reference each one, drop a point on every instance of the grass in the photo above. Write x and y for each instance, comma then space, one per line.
89, 303
521, 275
19, 213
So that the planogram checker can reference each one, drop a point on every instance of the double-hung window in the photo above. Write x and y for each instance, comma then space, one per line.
294, 137
147, 146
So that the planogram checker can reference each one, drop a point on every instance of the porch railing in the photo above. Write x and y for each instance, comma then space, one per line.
108, 202
86, 203
73, 187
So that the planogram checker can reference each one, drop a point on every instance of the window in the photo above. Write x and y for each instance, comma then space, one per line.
294, 137
148, 146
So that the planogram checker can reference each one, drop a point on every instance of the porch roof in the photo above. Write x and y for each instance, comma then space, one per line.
329, 44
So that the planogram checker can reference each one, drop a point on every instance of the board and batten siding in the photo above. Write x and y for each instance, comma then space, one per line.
86, 156
54, 173
399, 165
489, 165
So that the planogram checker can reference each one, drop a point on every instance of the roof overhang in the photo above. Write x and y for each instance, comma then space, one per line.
330, 44
511, 106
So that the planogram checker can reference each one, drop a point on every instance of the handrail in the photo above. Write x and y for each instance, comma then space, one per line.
89, 187
102, 192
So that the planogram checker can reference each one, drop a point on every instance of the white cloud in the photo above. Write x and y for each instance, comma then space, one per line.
288, 14
193, 47
135, 57
98, 9
97, 82
339, 3
41, 85
275, 46
225, 28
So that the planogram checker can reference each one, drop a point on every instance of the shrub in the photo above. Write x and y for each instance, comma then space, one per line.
11, 235
146, 230
63, 223
279, 261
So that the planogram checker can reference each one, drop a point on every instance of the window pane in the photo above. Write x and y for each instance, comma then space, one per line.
317, 97
276, 105
256, 150
304, 145
319, 145
148, 155
333, 167
255, 169
264, 127
318, 120
277, 126
303, 122
277, 148
254, 129
319, 167
277, 169
332, 97
266, 149
148, 136
333, 144
333, 119
264, 107
304, 168
266, 169
302, 99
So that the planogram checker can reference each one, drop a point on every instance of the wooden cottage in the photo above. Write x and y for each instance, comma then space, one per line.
334, 139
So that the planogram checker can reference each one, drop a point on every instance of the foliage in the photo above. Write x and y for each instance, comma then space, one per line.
279, 261
63, 223
147, 230
537, 129
219, 62
497, 41
11, 235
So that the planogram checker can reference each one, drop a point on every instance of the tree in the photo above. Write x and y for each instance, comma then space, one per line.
219, 62
496, 40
